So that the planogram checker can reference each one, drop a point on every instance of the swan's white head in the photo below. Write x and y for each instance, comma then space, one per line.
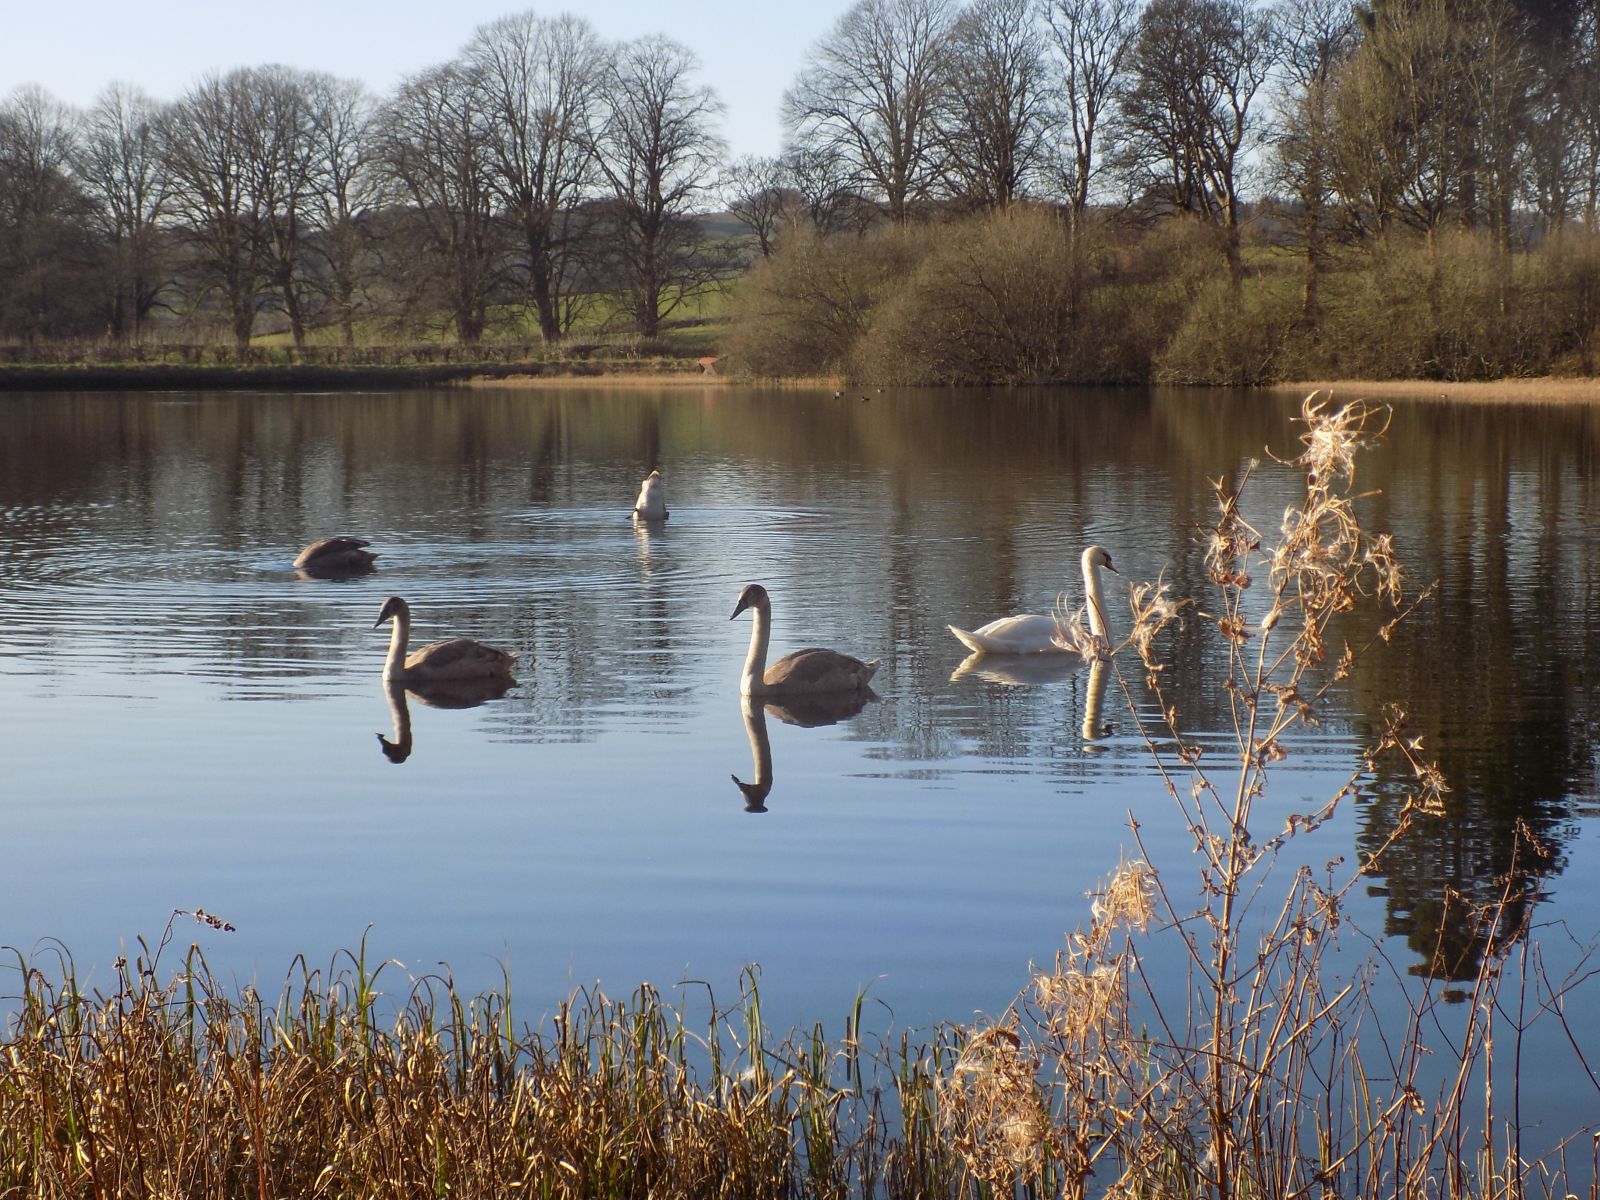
1096, 556
392, 607
753, 596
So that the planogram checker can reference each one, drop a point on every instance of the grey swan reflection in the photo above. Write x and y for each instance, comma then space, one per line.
439, 693
453, 659
807, 711
651, 504
1035, 633
335, 558
807, 672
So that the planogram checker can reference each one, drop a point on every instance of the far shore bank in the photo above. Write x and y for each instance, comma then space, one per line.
657, 373
1547, 389
307, 377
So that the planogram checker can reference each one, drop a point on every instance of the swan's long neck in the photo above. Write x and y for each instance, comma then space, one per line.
754, 679
395, 664
1095, 597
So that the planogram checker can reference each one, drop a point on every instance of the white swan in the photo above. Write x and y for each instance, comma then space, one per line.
458, 658
336, 554
1032, 633
652, 502
805, 672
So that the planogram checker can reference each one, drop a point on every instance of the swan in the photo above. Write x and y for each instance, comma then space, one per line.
1032, 633
805, 672
652, 502
458, 658
336, 554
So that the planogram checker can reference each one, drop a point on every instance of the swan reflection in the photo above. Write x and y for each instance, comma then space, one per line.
1095, 726
1018, 670
809, 712
437, 693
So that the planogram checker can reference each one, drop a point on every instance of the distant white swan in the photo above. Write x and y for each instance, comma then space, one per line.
652, 502
457, 658
805, 672
1032, 633
336, 554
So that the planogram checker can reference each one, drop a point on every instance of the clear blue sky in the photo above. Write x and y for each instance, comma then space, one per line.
749, 49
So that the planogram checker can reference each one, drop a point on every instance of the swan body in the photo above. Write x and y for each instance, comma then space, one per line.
336, 554
457, 658
805, 672
652, 502
1033, 633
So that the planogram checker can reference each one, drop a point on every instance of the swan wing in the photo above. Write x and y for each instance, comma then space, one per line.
335, 549
1026, 633
817, 670
459, 657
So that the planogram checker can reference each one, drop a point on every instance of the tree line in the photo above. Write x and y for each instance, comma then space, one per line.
542, 170
1436, 163
538, 168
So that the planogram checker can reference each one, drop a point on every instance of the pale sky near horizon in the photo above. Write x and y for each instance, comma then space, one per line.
749, 52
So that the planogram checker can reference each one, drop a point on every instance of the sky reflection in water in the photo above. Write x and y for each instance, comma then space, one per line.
190, 724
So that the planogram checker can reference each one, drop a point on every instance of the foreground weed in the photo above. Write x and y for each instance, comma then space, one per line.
1254, 1078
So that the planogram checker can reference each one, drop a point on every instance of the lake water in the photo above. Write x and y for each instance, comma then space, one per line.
188, 723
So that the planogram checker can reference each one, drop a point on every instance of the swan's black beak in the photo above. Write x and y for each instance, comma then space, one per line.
1110, 568
739, 607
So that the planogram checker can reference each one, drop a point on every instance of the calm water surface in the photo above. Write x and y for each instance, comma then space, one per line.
187, 723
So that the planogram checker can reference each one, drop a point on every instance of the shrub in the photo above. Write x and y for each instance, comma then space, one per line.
998, 298
802, 310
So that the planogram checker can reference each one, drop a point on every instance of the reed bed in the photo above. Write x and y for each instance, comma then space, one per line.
1270, 1070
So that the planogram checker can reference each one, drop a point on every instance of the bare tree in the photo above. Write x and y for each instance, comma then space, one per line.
1195, 70
206, 139
1403, 150
540, 80
1501, 79
282, 159
45, 255
347, 186
1092, 39
1316, 38
993, 115
659, 152
435, 145
759, 196
869, 93
120, 164
825, 187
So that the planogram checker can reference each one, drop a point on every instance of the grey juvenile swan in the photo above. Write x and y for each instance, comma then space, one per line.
805, 672
336, 554
458, 658
1033, 633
